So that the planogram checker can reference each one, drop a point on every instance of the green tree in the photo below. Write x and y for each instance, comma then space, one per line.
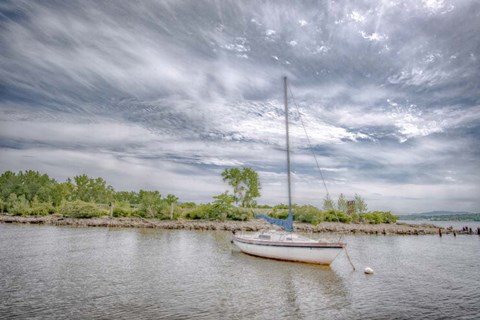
32, 183
92, 190
342, 203
171, 201
245, 183
62, 192
126, 196
224, 199
328, 203
8, 184
29, 183
18, 206
150, 203
360, 204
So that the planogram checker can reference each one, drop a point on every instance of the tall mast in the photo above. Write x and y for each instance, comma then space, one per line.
288, 150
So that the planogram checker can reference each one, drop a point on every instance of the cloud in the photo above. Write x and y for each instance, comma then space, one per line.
166, 95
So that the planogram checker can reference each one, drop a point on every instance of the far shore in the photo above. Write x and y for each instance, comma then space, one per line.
398, 228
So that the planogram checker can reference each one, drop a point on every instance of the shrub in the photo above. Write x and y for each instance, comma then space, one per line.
122, 209
18, 206
200, 212
307, 214
41, 208
279, 214
188, 205
218, 212
376, 217
81, 209
239, 214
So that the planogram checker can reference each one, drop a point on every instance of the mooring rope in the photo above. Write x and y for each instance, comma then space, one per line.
346, 252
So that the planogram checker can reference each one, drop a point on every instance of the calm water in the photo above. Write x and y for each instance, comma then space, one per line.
457, 225
100, 273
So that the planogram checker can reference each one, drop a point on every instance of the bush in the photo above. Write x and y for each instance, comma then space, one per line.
377, 217
18, 206
188, 205
239, 214
41, 208
81, 209
197, 213
307, 214
121, 209
218, 212
279, 214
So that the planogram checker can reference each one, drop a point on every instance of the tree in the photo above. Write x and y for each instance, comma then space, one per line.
245, 183
150, 203
127, 196
92, 190
360, 204
171, 201
224, 199
8, 184
328, 203
62, 192
342, 203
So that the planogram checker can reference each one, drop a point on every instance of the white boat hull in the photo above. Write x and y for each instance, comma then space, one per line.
307, 252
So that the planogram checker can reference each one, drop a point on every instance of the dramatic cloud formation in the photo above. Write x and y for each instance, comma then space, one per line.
165, 95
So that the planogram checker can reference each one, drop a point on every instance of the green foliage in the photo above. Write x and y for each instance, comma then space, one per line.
171, 200
92, 190
122, 209
187, 205
38, 208
377, 217
342, 203
131, 197
18, 206
339, 216
29, 184
239, 214
222, 209
328, 203
279, 213
151, 204
360, 204
313, 215
308, 214
224, 200
62, 192
32, 193
207, 212
245, 183
81, 209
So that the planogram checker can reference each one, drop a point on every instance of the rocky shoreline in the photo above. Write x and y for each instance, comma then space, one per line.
253, 225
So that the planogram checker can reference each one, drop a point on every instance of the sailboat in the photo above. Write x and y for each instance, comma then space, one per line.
285, 244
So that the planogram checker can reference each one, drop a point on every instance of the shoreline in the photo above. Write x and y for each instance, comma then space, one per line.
398, 228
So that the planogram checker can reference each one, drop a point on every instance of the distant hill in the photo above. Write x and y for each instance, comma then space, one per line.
441, 213
442, 216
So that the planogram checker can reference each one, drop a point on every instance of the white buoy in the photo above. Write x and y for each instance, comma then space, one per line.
368, 270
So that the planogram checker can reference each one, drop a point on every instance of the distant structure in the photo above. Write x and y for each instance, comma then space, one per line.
350, 207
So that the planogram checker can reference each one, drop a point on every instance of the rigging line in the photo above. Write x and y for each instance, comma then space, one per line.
309, 142
311, 149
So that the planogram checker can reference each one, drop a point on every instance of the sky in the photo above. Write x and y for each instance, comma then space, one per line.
165, 95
